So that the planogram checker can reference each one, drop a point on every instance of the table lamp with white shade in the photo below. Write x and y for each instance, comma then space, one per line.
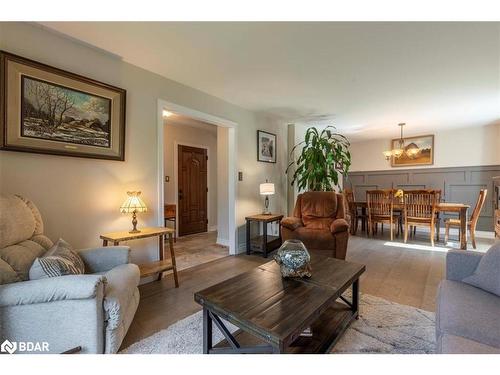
133, 204
266, 189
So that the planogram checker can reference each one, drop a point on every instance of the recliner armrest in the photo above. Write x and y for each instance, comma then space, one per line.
71, 287
102, 259
339, 225
292, 223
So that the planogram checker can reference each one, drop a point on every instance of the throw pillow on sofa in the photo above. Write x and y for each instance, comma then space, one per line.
60, 260
487, 274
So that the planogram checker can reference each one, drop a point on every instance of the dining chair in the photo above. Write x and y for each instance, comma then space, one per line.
381, 210
472, 223
355, 215
170, 215
419, 209
438, 217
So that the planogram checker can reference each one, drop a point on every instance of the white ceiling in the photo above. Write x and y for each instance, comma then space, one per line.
181, 120
363, 77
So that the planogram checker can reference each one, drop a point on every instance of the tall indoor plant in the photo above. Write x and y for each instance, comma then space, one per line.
324, 156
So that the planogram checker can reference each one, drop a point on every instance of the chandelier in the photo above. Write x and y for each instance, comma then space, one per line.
411, 150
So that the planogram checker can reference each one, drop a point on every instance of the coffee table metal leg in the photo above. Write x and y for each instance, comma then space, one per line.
248, 237
355, 298
207, 331
264, 239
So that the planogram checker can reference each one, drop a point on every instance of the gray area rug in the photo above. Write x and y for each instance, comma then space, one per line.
383, 327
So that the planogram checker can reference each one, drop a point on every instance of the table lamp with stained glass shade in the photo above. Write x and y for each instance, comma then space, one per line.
133, 204
266, 189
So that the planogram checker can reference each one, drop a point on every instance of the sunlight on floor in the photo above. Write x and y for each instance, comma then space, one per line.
416, 247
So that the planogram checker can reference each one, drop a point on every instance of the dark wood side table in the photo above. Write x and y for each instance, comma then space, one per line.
149, 269
264, 243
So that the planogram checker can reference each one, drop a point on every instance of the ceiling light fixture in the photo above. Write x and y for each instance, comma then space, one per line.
411, 151
167, 113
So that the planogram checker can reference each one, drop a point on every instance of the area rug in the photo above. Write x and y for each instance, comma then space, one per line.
383, 327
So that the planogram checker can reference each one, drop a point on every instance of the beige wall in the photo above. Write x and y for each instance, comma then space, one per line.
465, 147
255, 173
79, 198
187, 135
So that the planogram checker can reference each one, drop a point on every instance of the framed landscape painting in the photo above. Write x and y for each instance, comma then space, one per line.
425, 155
266, 147
48, 110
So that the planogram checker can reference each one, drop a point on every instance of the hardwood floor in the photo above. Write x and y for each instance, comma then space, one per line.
162, 304
197, 249
407, 274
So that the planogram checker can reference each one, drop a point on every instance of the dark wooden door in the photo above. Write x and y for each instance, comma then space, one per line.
192, 190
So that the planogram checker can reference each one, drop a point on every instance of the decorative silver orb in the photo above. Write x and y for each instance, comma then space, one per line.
294, 259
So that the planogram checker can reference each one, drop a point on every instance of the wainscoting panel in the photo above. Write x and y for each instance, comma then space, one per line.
458, 184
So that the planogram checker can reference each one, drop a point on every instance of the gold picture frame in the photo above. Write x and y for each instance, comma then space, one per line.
47, 110
425, 143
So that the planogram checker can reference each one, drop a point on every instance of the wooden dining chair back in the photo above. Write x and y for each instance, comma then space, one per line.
439, 197
170, 214
351, 209
349, 197
380, 209
420, 210
472, 223
479, 206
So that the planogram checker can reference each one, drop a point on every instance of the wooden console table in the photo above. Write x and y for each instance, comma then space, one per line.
263, 243
149, 269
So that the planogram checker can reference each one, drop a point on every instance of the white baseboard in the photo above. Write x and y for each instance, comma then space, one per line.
222, 241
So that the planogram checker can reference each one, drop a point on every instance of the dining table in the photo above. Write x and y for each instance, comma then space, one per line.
459, 208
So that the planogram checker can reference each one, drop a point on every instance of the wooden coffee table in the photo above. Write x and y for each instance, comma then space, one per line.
272, 313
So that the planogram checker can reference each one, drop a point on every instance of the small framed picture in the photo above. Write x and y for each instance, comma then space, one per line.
266, 147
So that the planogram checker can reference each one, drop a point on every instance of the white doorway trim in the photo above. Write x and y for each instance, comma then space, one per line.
176, 179
231, 188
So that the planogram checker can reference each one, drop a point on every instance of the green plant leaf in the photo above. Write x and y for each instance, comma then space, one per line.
323, 156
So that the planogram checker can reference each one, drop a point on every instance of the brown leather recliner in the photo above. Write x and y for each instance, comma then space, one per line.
319, 222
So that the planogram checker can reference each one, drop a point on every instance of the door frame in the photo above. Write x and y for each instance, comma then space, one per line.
231, 237
176, 182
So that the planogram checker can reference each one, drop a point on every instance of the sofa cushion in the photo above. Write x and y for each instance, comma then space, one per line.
42, 240
21, 256
60, 260
318, 209
7, 273
122, 282
314, 239
451, 344
17, 223
467, 311
487, 274
36, 215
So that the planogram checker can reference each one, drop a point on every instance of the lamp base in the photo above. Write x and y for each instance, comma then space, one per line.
134, 223
266, 207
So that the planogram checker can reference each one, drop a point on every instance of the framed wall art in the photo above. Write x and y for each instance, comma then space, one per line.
423, 155
51, 111
266, 147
